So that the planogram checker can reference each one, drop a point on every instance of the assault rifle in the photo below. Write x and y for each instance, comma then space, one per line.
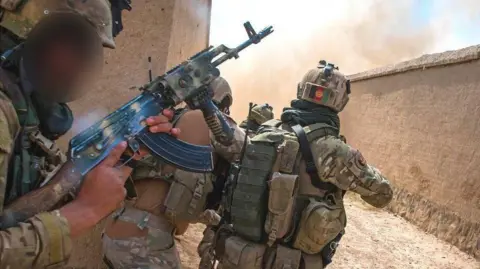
186, 82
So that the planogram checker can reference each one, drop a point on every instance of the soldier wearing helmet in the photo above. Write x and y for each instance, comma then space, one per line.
298, 217
258, 115
168, 199
62, 49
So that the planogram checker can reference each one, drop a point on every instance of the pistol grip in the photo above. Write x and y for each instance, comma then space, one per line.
186, 156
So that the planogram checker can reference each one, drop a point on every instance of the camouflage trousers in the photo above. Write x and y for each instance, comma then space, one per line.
156, 250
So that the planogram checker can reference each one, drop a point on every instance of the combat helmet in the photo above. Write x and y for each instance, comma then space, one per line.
261, 113
20, 18
325, 86
222, 93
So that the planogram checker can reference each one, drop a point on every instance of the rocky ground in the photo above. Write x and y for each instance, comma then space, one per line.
375, 239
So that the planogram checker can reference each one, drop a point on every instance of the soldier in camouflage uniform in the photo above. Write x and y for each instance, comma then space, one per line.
284, 207
141, 234
258, 115
35, 81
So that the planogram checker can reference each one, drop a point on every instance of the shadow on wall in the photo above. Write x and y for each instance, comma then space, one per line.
420, 128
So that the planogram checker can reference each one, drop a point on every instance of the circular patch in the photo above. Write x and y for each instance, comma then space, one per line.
319, 94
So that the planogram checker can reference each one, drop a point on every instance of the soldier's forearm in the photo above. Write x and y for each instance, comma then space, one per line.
80, 217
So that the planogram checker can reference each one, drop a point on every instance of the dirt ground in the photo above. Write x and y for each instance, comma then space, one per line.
374, 239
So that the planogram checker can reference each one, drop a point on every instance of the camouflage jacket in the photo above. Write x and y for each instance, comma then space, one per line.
44, 239
346, 168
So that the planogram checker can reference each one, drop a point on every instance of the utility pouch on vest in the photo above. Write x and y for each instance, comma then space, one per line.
187, 195
10, 5
287, 258
242, 254
250, 194
320, 223
280, 205
312, 261
289, 155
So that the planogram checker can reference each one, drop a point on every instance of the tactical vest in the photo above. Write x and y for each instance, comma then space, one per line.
35, 159
265, 204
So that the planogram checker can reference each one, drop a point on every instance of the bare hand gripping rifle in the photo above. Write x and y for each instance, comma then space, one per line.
186, 82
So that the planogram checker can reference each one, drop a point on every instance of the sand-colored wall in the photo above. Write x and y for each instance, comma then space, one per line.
168, 31
419, 122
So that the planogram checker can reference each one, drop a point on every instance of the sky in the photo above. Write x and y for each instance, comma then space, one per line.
356, 35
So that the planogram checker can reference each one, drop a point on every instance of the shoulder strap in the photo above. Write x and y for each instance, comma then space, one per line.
318, 130
272, 123
309, 160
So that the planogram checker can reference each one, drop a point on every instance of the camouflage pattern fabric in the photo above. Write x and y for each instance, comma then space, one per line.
325, 86
258, 115
230, 153
20, 22
261, 113
41, 241
141, 253
156, 250
344, 166
209, 217
205, 249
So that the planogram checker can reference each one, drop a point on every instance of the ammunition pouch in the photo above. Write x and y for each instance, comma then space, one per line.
238, 253
242, 254
287, 258
187, 196
321, 222
280, 205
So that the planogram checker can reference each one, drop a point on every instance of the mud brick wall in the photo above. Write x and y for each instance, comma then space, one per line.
167, 30
419, 123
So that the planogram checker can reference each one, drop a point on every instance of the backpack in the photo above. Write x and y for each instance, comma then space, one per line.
263, 183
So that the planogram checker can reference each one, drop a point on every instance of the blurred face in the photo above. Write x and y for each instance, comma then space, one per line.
63, 59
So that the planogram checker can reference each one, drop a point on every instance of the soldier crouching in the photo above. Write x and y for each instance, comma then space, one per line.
284, 207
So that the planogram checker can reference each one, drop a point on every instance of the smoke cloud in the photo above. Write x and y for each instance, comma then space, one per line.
355, 35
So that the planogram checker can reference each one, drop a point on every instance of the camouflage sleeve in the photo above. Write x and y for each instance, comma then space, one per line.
9, 127
344, 166
42, 240
230, 153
